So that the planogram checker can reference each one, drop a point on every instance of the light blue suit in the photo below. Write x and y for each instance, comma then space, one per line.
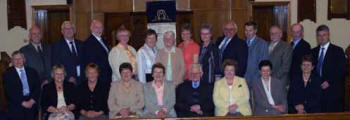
257, 51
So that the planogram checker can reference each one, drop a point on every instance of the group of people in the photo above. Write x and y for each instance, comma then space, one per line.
229, 76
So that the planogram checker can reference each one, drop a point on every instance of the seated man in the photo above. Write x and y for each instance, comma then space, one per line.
193, 98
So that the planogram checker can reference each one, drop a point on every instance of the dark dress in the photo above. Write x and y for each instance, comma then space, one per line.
309, 95
186, 96
94, 100
210, 61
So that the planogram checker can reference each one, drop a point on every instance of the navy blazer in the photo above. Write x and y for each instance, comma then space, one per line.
13, 91
333, 71
61, 54
237, 50
309, 95
302, 48
186, 96
93, 52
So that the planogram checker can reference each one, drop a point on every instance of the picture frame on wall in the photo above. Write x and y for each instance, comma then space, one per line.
338, 9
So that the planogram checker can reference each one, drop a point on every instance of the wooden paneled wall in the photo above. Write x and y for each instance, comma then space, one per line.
215, 12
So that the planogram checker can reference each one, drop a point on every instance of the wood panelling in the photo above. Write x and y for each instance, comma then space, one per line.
215, 12
113, 5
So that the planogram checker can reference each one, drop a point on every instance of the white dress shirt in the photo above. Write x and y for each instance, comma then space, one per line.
267, 90
145, 60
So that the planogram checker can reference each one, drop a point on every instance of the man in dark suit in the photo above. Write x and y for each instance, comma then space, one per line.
257, 51
22, 88
280, 55
193, 97
95, 50
331, 66
38, 54
232, 47
300, 48
68, 52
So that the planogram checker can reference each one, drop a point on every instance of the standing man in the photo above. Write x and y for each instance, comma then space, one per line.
257, 51
22, 88
95, 50
193, 98
232, 47
38, 54
68, 52
300, 48
331, 66
280, 55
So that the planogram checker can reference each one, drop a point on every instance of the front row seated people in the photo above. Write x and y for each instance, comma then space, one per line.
59, 97
194, 97
269, 93
126, 95
159, 95
231, 93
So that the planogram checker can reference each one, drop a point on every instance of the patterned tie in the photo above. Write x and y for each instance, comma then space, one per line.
73, 49
320, 62
223, 47
24, 81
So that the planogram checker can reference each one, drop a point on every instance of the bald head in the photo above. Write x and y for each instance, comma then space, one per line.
275, 33
297, 31
35, 34
96, 27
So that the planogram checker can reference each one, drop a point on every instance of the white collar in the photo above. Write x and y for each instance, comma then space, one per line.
97, 37
325, 46
172, 50
19, 69
68, 41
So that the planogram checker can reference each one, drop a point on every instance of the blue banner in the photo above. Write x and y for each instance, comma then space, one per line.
161, 11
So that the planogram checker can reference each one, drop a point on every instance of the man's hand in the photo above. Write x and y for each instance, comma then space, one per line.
300, 108
28, 104
197, 109
73, 80
279, 108
325, 85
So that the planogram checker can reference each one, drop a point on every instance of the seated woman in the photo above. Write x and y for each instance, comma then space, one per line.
231, 93
305, 89
126, 95
93, 95
159, 95
269, 93
58, 97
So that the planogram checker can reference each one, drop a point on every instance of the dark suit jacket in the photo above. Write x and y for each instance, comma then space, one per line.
34, 59
186, 96
333, 71
281, 59
237, 50
261, 104
93, 52
61, 54
49, 95
309, 95
302, 48
13, 90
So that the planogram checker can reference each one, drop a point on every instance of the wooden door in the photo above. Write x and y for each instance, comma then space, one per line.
49, 19
271, 13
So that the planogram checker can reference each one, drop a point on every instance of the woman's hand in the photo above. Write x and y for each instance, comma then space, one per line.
52, 109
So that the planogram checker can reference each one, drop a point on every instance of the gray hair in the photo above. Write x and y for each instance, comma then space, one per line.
68, 23
196, 65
